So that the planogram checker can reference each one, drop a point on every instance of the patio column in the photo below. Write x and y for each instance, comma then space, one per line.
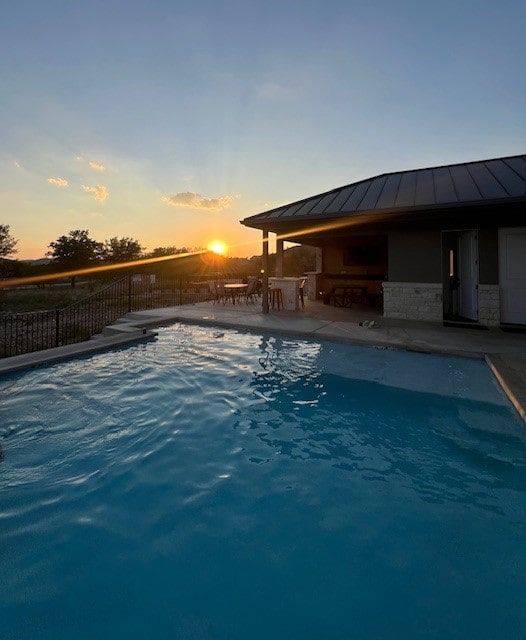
279, 258
319, 259
264, 274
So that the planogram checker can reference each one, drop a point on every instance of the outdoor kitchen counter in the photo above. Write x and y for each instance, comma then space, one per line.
290, 289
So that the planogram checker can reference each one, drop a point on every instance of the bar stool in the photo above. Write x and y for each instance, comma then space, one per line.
276, 298
301, 288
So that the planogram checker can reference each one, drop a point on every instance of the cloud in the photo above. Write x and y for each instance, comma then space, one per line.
196, 201
96, 166
99, 192
59, 182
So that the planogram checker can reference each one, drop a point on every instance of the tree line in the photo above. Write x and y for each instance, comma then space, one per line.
77, 250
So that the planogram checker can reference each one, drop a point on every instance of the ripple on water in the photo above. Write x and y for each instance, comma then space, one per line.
167, 478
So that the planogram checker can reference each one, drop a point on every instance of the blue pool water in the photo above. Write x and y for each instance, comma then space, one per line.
216, 484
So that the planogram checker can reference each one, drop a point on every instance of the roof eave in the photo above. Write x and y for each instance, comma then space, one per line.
366, 216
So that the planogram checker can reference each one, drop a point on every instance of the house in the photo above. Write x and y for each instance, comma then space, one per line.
440, 243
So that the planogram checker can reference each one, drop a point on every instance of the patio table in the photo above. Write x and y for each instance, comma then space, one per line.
235, 289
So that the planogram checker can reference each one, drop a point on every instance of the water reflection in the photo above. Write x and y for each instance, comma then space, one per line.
440, 448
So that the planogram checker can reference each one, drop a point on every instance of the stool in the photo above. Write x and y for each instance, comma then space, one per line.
302, 299
276, 298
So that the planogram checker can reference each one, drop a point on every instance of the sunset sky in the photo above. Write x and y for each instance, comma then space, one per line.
170, 120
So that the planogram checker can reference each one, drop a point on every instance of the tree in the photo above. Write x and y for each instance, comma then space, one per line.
75, 251
7, 242
161, 252
121, 250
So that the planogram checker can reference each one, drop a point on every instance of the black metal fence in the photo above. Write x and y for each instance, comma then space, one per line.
26, 332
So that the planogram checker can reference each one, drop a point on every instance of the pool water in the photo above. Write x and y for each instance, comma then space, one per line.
225, 485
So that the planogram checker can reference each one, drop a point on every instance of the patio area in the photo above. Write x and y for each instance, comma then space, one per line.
505, 352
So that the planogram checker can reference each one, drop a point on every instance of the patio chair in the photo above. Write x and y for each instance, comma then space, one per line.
251, 291
212, 289
217, 291
222, 295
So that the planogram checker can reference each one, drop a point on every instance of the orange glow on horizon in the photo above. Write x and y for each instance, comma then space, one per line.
14, 282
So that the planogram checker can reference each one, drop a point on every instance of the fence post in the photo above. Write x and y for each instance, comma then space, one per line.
57, 327
129, 294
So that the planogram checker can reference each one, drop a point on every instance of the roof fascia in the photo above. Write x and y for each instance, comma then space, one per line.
374, 215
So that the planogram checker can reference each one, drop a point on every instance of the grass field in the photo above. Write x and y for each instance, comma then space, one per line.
53, 296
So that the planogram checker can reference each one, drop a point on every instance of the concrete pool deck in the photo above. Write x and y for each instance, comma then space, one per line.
505, 352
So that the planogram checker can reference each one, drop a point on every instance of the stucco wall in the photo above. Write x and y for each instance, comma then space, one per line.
488, 256
415, 256
333, 258
356, 254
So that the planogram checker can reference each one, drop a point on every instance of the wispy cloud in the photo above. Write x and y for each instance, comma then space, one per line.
196, 201
58, 182
96, 166
99, 192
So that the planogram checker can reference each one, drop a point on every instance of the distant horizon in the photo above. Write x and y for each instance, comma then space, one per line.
248, 257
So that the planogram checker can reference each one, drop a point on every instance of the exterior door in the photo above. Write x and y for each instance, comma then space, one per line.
468, 275
512, 275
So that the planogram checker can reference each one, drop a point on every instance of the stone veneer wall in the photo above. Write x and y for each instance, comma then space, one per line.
489, 304
413, 300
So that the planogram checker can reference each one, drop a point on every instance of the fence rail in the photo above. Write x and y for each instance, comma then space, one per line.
26, 332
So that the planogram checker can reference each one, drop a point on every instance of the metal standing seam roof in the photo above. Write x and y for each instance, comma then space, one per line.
481, 182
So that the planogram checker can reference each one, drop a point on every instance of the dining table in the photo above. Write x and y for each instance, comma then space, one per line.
235, 289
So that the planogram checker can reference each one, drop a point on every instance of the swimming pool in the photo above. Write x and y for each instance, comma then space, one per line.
220, 484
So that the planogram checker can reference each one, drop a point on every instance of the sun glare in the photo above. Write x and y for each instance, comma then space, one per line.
217, 247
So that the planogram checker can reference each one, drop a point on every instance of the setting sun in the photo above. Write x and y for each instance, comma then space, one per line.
217, 247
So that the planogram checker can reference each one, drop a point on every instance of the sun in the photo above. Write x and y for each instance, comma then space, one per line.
216, 246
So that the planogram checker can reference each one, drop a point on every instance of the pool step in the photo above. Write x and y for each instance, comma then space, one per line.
122, 328
132, 324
